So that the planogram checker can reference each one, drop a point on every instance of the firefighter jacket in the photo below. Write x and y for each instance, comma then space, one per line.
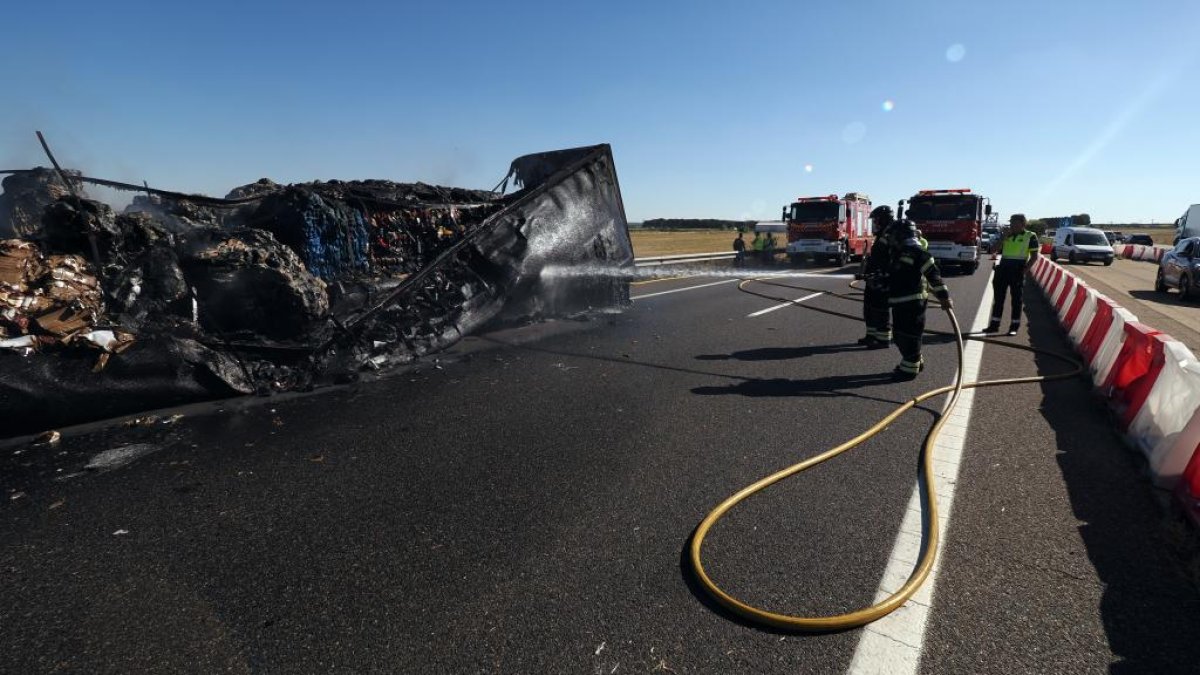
879, 260
911, 266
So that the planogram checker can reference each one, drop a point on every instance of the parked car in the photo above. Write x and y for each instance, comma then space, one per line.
1081, 245
1120, 236
1110, 236
1180, 268
1140, 238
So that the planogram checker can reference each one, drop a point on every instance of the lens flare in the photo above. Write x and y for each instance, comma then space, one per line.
955, 53
889, 105
808, 168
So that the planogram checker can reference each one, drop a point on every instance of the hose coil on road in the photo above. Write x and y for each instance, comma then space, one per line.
929, 542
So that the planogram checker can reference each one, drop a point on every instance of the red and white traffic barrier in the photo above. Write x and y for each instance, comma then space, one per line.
1110, 345
1135, 372
1188, 489
1159, 428
1151, 381
1082, 313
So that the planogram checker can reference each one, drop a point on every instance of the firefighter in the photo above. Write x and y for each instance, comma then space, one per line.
739, 251
910, 267
875, 267
1016, 249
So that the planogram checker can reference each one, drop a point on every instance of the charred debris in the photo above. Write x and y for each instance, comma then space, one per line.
181, 298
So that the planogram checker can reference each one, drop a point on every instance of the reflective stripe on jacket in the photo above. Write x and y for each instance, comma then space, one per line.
909, 272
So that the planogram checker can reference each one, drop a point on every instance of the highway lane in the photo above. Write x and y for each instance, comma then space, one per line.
521, 505
1131, 284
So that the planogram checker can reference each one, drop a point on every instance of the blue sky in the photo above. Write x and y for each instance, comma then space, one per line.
712, 109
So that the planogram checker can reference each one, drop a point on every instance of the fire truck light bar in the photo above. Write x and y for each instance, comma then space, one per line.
956, 191
827, 198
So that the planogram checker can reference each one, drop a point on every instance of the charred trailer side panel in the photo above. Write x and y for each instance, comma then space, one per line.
565, 240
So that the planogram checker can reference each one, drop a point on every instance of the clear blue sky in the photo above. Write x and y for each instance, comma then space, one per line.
712, 109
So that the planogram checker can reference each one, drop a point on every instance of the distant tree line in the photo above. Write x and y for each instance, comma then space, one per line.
697, 224
1040, 225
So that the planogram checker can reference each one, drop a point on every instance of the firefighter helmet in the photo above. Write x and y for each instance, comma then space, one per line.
883, 212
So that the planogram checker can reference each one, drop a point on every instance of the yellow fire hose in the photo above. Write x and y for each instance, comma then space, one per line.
865, 615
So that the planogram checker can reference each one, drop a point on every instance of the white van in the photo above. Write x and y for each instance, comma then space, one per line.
1081, 245
1188, 224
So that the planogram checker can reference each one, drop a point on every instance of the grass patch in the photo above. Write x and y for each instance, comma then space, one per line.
674, 242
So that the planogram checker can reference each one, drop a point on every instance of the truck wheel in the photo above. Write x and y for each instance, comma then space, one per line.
1160, 284
1185, 288
1072, 258
1053, 255
842, 259
974, 267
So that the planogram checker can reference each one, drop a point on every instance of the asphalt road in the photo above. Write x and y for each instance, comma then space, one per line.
521, 505
1131, 283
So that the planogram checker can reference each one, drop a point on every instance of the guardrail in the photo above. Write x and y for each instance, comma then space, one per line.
683, 258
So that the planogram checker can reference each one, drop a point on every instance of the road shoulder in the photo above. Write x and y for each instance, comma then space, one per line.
1059, 557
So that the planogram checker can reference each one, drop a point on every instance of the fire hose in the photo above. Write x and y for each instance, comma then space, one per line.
929, 542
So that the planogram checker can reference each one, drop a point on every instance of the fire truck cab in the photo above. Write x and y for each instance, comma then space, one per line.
829, 228
952, 222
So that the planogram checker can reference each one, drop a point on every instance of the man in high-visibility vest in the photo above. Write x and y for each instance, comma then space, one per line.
1016, 249
912, 276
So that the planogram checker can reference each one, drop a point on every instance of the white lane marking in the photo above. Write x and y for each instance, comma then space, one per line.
680, 290
783, 304
893, 644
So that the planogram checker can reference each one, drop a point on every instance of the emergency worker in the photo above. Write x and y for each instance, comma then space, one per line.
739, 251
875, 293
910, 267
1016, 249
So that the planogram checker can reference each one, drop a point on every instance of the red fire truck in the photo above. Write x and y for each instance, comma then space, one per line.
952, 222
829, 228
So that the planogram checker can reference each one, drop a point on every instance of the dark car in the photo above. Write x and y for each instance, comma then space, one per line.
1143, 239
1180, 268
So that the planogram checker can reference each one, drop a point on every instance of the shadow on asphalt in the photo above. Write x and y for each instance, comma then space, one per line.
781, 353
1173, 298
1151, 613
833, 385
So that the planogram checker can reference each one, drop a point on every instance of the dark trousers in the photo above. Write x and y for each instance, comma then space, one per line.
1008, 277
875, 313
908, 319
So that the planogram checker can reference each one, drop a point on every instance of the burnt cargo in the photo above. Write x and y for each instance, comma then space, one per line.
283, 287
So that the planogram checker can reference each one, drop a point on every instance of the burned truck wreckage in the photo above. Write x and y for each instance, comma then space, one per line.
183, 298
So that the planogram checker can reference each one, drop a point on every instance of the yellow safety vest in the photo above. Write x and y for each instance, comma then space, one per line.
1017, 246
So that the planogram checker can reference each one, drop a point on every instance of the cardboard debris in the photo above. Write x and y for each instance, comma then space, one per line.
48, 299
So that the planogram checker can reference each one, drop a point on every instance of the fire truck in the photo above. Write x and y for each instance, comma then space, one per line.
829, 228
952, 222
